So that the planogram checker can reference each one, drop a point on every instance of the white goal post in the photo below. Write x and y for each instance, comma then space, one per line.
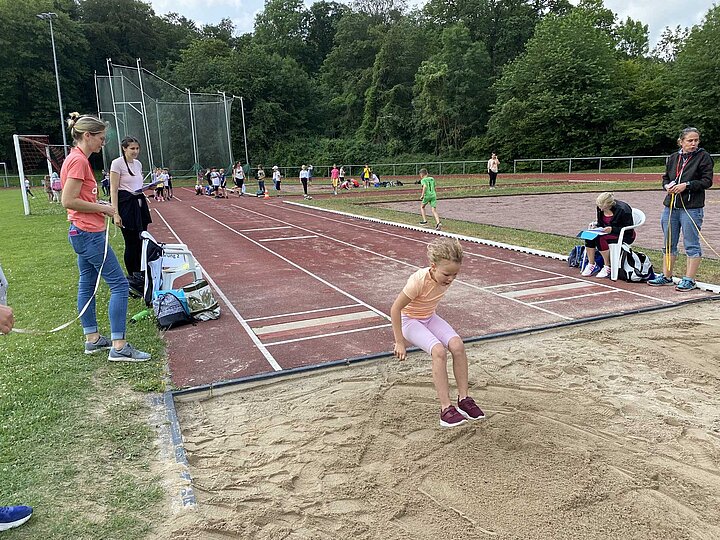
35, 154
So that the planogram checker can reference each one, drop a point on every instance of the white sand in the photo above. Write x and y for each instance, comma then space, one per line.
608, 430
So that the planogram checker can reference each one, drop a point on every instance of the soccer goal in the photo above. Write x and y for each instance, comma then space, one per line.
36, 158
6, 179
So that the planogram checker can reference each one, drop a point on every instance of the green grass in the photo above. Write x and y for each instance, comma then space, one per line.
74, 436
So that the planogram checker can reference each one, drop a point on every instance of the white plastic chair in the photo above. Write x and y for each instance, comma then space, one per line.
177, 261
615, 249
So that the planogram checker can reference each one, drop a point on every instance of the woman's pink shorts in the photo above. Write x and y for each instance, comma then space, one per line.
426, 333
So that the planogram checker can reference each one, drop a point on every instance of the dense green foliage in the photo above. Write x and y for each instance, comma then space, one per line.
377, 81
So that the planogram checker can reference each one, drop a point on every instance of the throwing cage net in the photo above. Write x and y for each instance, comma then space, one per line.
177, 129
36, 159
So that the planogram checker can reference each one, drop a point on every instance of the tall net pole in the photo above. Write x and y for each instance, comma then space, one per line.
192, 128
112, 95
227, 126
146, 125
242, 110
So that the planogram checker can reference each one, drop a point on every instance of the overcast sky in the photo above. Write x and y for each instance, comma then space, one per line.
657, 14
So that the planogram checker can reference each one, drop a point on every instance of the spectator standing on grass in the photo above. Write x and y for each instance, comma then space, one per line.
612, 215
304, 178
56, 186
493, 165
88, 237
341, 175
688, 173
366, 174
168, 183
27, 188
414, 319
131, 207
46, 187
105, 183
428, 196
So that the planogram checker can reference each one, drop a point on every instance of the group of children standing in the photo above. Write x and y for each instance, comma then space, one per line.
162, 180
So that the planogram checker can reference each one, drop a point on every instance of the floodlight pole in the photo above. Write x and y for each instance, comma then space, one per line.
49, 17
242, 110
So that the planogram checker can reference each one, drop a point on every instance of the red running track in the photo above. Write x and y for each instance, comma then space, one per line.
300, 287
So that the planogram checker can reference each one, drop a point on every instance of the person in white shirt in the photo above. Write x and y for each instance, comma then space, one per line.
276, 177
492, 167
304, 178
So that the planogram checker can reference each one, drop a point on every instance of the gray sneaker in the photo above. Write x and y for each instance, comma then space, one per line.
102, 344
127, 354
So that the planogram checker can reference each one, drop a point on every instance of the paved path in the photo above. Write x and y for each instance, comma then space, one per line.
568, 213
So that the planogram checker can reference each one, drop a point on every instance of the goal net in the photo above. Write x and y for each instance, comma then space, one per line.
36, 159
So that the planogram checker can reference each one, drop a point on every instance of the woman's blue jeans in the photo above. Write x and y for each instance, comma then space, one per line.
90, 248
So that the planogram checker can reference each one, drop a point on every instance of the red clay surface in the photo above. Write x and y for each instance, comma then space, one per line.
300, 287
568, 213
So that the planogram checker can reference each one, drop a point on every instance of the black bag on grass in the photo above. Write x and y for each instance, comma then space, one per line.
170, 311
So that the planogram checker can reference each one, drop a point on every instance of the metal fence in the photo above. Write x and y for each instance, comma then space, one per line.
394, 169
609, 162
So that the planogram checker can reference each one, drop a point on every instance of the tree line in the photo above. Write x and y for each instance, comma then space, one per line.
376, 80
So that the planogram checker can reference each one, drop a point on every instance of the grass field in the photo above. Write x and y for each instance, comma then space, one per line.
76, 441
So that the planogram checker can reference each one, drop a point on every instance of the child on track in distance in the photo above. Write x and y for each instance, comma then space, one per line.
414, 319
428, 196
335, 177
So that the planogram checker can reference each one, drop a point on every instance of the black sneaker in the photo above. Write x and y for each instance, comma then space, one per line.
438, 226
423, 223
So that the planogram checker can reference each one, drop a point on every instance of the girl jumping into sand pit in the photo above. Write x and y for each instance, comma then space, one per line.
414, 319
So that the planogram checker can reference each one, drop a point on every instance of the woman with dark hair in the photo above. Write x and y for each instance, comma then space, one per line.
688, 173
133, 214
88, 238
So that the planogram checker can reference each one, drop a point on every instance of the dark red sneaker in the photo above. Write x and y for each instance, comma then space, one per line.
469, 409
450, 417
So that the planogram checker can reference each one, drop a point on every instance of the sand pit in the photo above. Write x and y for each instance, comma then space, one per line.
608, 430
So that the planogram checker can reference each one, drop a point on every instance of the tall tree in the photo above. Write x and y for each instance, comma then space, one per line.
558, 98
452, 91
697, 79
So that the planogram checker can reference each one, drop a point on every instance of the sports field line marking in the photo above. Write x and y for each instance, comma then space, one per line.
301, 312
472, 240
306, 271
572, 297
265, 228
269, 357
318, 321
540, 290
287, 238
354, 246
178, 198
328, 335
523, 282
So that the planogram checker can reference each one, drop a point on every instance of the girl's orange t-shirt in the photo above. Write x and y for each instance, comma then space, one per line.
425, 294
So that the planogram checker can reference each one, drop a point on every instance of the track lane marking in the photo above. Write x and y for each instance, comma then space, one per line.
354, 246
295, 265
541, 290
310, 323
327, 335
287, 238
302, 312
573, 297
269, 357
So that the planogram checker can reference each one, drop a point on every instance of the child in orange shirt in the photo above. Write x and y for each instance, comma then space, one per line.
413, 318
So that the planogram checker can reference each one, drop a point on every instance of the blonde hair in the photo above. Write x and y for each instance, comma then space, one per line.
445, 249
84, 123
605, 201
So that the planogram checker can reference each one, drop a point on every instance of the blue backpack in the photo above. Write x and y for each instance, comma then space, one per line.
578, 259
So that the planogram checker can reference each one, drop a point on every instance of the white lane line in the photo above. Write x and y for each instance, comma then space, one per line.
286, 238
269, 357
301, 313
354, 246
572, 297
327, 335
309, 323
295, 265
541, 290
178, 198
266, 228
523, 282
470, 239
